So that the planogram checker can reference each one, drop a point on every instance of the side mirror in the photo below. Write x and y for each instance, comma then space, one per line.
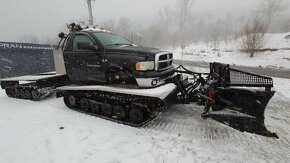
61, 35
86, 46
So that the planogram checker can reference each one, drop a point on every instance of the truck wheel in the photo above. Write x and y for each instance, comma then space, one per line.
107, 109
116, 76
95, 107
85, 105
136, 115
119, 112
70, 101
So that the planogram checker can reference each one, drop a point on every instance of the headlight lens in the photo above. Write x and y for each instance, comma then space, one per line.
143, 66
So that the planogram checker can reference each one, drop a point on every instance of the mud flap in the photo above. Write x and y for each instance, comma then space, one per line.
245, 111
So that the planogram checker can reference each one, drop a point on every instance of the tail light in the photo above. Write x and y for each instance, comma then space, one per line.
210, 94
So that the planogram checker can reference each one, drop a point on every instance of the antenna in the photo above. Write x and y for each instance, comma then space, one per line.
91, 20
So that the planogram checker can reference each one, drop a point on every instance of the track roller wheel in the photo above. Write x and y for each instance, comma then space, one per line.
84, 104
35, 95
12, 92
70, 101
107, 109
94, 107
9, 92
28, 94
119, 112
17, 93
22, 94
136, 115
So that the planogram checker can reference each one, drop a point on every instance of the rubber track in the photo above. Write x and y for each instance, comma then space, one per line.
115, 120
155, 105
43, 92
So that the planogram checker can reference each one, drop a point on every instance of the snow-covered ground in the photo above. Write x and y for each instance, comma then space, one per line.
32, 132
282, 87
49, 132
227, 52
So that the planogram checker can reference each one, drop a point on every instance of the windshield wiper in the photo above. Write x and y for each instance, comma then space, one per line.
119, 44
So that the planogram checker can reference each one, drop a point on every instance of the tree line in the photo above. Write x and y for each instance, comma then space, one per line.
180, 23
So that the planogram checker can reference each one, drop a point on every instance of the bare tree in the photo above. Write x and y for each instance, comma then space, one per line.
109, 24
124, 27
271, 7
135, 37
182, 15
166, 18
134, 34
253, 36
151, 36
28, 38
214, 38
286, 25
200, 24
50, 40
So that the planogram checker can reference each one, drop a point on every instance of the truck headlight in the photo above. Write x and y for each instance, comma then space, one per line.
143, 66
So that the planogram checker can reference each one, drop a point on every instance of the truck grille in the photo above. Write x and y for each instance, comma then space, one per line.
163, 61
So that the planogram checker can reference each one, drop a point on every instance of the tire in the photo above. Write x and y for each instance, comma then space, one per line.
119, 112
107, 109
84, 104
136, 115
117, 76
70, 101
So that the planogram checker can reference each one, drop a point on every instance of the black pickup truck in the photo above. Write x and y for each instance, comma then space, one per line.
96, 55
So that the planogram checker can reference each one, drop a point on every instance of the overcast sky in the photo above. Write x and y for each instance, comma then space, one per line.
48, 17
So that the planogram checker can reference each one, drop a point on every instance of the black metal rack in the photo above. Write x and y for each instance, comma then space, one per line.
233, 77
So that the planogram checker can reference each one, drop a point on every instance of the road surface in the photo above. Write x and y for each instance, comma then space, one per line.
280, 73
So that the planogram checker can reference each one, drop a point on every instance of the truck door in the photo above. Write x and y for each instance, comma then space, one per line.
82, 63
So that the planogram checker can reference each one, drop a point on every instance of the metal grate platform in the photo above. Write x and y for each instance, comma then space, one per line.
233, 77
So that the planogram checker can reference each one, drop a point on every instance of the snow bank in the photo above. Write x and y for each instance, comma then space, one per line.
227, 52
282, 87
277, 41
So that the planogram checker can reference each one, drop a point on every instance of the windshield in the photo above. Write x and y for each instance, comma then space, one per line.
108, 39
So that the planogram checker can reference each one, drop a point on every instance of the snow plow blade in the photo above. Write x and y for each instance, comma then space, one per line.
245, 110
232, 97
246, 93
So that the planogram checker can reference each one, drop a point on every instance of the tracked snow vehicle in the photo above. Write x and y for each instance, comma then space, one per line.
104, 75
95, 57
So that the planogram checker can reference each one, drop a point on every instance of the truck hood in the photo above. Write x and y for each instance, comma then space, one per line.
134, 50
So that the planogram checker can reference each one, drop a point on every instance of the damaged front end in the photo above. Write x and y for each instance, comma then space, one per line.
230, 96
